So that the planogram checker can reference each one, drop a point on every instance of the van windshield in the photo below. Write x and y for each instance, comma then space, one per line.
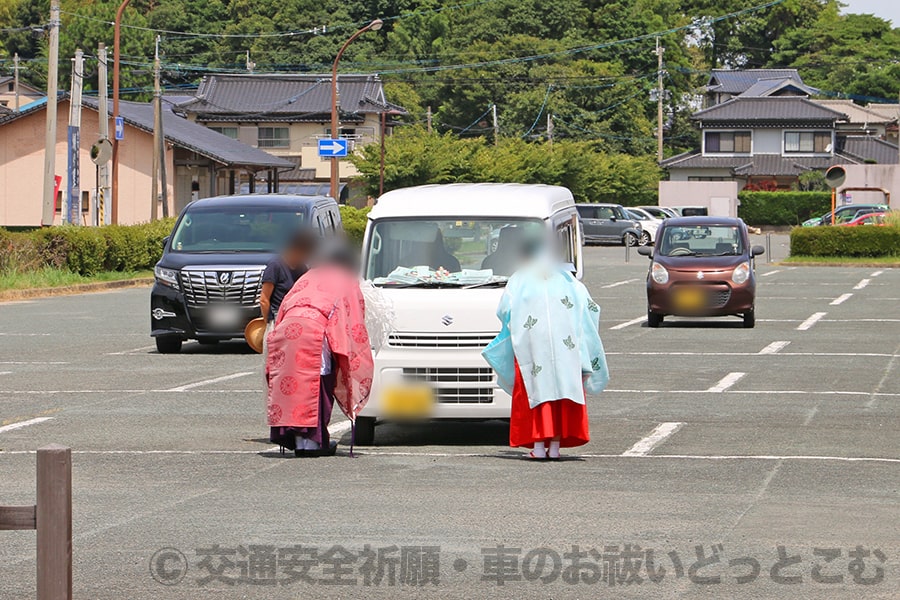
239, 229
448, 252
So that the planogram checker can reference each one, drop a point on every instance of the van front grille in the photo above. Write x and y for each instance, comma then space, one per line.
456, 385
437, 340
226, 286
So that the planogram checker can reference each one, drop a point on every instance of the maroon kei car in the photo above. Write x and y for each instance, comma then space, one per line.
701, 267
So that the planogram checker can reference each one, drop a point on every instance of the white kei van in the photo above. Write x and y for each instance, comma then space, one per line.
442, 254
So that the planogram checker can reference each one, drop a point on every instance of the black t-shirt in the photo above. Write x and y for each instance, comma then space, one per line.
278, 274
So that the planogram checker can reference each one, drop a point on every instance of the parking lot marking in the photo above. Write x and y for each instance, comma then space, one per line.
190, 386
876, 273
726, 382
629, 323
654, 439
863, 283
22, 424
5, 372
774, 348
32, 362
124, 352
618, 283
676, 353
841, 299
810, 321
766, 274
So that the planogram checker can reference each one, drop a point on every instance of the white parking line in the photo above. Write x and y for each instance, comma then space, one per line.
726, 382
32, 362
618, 283
767, 273
774, 348
841, 299
5, 372
190, 386
876, 273
863, 283
22, 424
629, 323
810, 321
124, 352
654, 439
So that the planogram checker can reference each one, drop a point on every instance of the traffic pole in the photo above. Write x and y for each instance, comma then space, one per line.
48, 208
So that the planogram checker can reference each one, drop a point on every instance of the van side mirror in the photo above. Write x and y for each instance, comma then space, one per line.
645, 251
165, 241
757, 250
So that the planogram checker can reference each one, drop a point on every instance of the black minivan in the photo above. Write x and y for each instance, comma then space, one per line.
209, 278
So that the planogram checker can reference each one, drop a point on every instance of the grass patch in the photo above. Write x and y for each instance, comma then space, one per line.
49, 277
850, 261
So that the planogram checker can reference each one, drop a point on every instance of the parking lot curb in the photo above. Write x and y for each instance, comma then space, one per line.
69, 290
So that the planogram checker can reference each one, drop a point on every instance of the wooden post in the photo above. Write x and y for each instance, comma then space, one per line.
54, 523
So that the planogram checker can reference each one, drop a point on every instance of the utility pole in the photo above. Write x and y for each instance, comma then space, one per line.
428, 118
103, 200
49, 199
549, 129
659, 100
496, 126
381, 163
73, 187
16, 78
154, 188
117, 35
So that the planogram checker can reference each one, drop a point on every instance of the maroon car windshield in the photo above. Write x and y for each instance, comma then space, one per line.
701, 240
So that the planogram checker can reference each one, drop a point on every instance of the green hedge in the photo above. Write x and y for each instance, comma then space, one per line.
863, 241
354, 221
84, 250
782, 208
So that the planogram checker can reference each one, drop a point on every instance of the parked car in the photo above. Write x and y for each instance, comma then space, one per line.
659, 212
609, 223
702, 267
649, 224
845, 214
209, 278
869, 219
691, 211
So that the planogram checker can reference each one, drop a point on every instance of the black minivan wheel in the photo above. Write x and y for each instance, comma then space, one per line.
365, 431
168, 344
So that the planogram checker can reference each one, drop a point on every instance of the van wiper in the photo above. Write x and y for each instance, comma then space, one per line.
501, 283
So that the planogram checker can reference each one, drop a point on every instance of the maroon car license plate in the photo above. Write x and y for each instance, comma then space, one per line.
689, 298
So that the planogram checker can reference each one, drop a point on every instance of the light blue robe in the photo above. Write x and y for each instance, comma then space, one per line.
550, 325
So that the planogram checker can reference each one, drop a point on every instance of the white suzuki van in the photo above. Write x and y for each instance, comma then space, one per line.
442, 254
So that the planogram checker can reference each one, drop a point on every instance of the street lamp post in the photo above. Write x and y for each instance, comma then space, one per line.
335, 121
114, 212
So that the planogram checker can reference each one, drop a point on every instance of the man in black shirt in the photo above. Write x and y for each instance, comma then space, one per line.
283, 271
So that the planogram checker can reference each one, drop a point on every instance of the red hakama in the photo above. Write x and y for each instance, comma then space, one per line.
558, 418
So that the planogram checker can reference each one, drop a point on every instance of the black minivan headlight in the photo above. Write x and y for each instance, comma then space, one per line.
166, 276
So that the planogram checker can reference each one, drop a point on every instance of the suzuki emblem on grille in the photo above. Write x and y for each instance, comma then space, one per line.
700, 275
225, 278
447, 320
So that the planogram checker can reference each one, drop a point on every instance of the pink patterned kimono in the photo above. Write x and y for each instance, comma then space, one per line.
325, 303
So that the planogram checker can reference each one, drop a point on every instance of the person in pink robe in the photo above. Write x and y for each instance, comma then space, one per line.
318, 353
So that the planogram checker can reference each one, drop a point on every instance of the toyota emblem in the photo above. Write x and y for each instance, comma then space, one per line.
225, 278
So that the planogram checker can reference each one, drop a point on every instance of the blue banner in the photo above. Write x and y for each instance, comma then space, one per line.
73, 187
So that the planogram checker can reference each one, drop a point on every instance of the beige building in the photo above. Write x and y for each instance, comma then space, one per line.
199, 163
286, 115
12, 97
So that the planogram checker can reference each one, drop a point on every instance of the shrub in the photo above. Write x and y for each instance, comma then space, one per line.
782, 208
863, 241
354, 221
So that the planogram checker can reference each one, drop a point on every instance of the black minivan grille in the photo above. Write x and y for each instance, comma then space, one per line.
227, 286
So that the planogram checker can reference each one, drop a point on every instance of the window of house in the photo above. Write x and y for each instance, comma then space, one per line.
231, 132
273, 137
728, 142
808, 142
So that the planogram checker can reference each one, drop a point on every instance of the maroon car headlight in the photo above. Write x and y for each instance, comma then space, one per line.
659, 274
741, 273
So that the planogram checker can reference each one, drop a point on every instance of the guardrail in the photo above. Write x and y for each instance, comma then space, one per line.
52, 518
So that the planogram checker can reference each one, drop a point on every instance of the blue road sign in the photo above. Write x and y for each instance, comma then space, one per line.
333, 148
120, 128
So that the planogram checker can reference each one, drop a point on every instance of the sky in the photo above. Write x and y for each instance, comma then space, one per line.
886, 9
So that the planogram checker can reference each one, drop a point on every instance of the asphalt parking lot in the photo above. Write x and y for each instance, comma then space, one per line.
724, 462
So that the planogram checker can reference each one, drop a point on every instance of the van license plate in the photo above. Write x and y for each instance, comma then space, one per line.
407, 402
224, 317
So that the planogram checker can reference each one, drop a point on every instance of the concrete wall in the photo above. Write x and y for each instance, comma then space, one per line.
22, 168
875, 176
720, 197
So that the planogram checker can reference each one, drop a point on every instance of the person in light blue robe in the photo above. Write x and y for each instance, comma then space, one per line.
548, 352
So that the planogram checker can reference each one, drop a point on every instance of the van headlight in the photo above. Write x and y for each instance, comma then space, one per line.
741, 273
659, 274
168, 277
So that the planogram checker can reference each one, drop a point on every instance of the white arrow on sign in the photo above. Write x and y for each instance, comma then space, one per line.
332, 148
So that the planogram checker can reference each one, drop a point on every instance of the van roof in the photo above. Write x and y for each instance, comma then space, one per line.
474, 200
273, 200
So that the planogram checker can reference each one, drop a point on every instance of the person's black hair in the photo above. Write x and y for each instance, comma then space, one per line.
303, 241
338, 251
